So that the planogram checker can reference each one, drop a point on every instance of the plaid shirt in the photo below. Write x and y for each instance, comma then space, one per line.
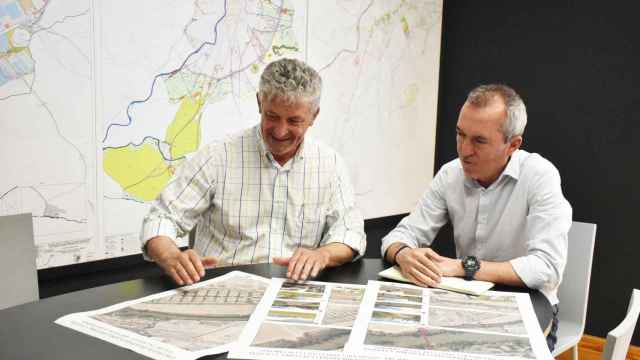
249, 209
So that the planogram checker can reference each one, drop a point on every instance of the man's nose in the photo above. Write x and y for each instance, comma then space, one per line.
279, 131
465, 148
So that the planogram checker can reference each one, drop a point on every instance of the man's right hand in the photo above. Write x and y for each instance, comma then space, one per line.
420, 266
184, 267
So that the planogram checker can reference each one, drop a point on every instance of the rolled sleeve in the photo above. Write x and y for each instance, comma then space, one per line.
344, 221
548, 224
401, 234
153, 226
420, 227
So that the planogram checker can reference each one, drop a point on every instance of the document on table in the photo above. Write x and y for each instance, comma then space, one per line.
185, 323
295, 320
407, 322
473, 287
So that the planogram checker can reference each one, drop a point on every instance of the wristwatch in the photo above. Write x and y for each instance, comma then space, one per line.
471, 265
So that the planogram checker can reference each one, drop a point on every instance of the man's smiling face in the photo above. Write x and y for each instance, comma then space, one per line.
284, 125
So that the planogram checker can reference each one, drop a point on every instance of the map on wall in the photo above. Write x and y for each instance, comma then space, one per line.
102, 101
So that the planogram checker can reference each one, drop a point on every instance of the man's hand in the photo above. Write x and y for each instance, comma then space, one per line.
421, 265
304, 263
184, 267
449, 266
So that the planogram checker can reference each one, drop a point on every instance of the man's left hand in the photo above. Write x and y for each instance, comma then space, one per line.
304, 263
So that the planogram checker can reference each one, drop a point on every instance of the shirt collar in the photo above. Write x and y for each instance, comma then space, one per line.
513, 166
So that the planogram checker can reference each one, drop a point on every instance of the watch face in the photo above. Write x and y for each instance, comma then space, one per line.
470, 262
470, 265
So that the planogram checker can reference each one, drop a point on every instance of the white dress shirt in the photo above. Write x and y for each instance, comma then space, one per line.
522, 217
249, 209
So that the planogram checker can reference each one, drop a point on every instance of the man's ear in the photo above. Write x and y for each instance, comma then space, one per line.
514, 144
259, 106
315, 115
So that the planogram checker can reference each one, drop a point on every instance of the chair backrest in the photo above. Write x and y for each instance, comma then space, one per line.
574, 289
618, 339
18, 274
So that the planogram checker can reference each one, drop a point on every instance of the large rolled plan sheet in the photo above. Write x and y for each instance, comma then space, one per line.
185, 323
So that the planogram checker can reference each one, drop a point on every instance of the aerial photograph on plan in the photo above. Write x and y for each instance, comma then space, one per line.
295, 305
402, 318
399, 290
507, 323
497, 303
291, 316
342, 308
195, 319
299, 295
303, 287
341, 315
388, 292
346, 294
426, 338
395, 306
288, 336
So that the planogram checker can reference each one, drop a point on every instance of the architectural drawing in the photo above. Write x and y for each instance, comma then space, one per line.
445, 325
448, 299
277, 335
506, 323
288, 329
426, 338
185, 323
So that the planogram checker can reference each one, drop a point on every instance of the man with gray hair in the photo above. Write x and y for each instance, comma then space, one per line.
510, 219
266, 195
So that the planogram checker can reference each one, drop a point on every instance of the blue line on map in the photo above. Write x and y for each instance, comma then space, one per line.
155, 78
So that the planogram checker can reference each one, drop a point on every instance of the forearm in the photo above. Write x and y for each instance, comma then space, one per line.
336, 253
497, 272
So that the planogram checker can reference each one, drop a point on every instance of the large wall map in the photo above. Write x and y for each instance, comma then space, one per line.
101, 102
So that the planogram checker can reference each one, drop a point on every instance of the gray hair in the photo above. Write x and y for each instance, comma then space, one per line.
516, 119
291, 80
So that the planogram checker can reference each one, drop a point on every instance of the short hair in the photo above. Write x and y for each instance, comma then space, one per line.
516, 120
290, 80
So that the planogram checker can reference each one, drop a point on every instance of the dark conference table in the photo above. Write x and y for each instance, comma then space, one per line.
28, 331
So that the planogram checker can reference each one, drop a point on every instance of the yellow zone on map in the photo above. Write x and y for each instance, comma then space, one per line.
140, 170
183, 134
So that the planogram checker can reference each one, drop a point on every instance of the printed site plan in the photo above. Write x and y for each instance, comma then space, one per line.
185, 323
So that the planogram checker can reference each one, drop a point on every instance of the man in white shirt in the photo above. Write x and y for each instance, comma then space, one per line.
509, 216
266, 195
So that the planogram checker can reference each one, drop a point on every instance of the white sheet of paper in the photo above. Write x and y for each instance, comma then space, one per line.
407, 322
186, 323
309, 320
473, 287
